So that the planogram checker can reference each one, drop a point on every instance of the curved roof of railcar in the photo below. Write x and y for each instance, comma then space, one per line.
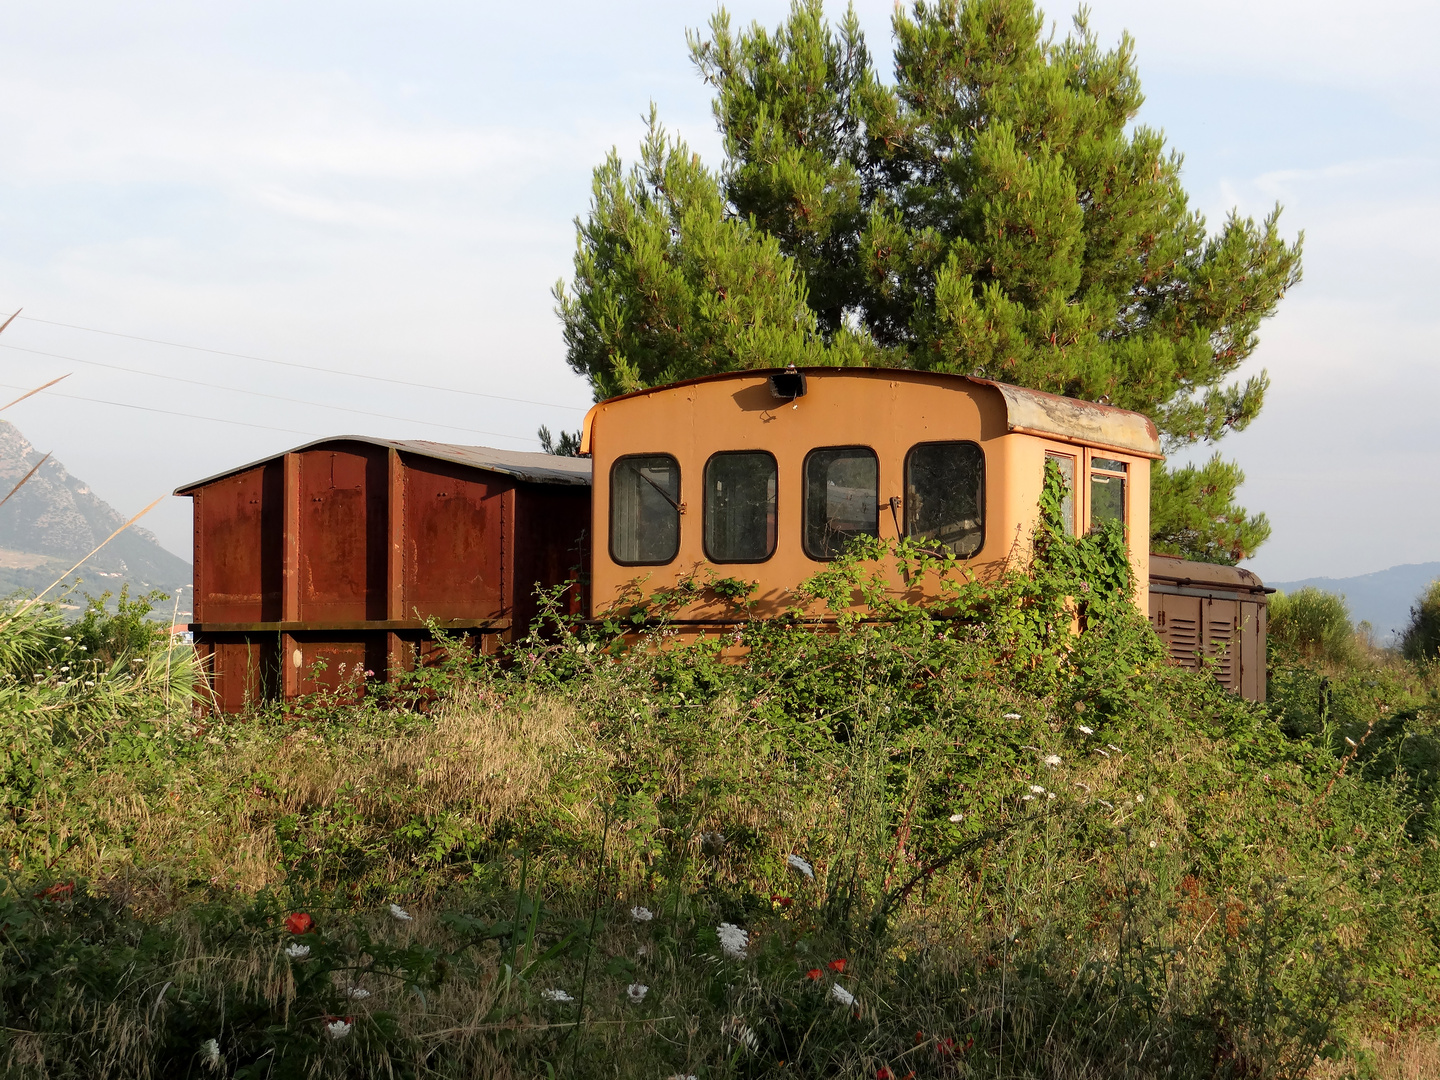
528, 467
1031, 412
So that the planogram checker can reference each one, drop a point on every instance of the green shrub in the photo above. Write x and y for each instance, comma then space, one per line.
1314, 625
1422, 636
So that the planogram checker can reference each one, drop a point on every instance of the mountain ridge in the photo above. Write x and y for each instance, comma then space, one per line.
1382, 598
55, 519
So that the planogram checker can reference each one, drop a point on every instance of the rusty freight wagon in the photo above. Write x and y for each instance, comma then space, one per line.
327, 561
330, 558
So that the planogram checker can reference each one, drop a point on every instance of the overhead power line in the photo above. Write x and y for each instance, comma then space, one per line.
171, 412
262, 394
304, 367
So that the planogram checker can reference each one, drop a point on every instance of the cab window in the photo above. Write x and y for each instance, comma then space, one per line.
945, 495
740, 506
645, 509
842, 495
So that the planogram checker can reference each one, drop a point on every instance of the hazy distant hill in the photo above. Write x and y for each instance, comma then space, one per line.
1382, 599
55, 519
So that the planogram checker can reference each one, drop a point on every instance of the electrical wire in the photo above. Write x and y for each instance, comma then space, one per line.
261, 394
170, 412
305, 367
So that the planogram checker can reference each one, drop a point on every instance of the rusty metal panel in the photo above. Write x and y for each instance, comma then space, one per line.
242, 672
551, 547
337, 668
452, 540
342, 534
1226, 629
237, 563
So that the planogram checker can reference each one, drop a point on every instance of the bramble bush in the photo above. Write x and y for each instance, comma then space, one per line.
986, 834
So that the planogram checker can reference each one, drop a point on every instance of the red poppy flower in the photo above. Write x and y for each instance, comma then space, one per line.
919, 1037
837, 966
299, 922
883, 1073
813, 973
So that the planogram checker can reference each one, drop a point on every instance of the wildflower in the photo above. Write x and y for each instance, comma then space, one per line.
558, 996
297, 952
357, 993
1051, 760
1011, 716
636, 992
781, 901
814, 974
641, 914
337, 1028
89, 682
1049, 795
800, 866
210, 1053
1027, 798
72, 639
956, 818
1152, 843
1037, 789
369, 674
837, 966
733, 940
1139, 798
840, 994
1086, 730
299, 922
398, 912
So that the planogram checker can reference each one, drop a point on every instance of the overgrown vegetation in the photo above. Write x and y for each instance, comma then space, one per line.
989, 836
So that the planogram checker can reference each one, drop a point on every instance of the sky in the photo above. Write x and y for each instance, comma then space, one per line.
238, 227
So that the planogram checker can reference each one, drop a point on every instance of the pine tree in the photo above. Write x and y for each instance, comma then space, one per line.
991, 212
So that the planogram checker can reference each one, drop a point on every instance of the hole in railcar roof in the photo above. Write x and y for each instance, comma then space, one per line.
788, 385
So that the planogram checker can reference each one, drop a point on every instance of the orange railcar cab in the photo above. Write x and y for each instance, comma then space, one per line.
765, 475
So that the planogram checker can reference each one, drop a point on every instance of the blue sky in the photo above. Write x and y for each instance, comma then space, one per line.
389, 190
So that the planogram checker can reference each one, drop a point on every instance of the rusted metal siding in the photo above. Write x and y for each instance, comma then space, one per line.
1214, 615
451, 541
320, 565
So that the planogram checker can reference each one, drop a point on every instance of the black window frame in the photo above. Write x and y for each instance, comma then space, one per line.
984, 486
805, 495
679, 505
705, 508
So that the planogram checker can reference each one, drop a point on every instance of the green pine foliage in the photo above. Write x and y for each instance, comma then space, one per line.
994, 211
1422, 637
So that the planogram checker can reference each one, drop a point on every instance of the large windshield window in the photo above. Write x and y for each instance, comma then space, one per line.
740, 507
842, 493
945, 495
645, 509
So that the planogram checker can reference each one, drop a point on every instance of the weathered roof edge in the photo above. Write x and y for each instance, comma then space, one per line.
522, 465
1031, 412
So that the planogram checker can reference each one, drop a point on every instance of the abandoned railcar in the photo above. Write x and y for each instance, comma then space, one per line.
330, 559
767, 475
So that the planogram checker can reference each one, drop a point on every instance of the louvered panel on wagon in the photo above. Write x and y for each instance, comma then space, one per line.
1210, 614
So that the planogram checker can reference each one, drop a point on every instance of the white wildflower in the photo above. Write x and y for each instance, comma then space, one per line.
1027, 798
1086, 730
72, 639
1051, 760
840, 994
956, 818
398, 912
636, 992
800, 866
210, 1053
89, 682
1011, 716
641, 914
1049, 795
1152, 843
733, 940
297, 952
1139, 798
357, 993
1037, 789
338, 1029
559, 996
